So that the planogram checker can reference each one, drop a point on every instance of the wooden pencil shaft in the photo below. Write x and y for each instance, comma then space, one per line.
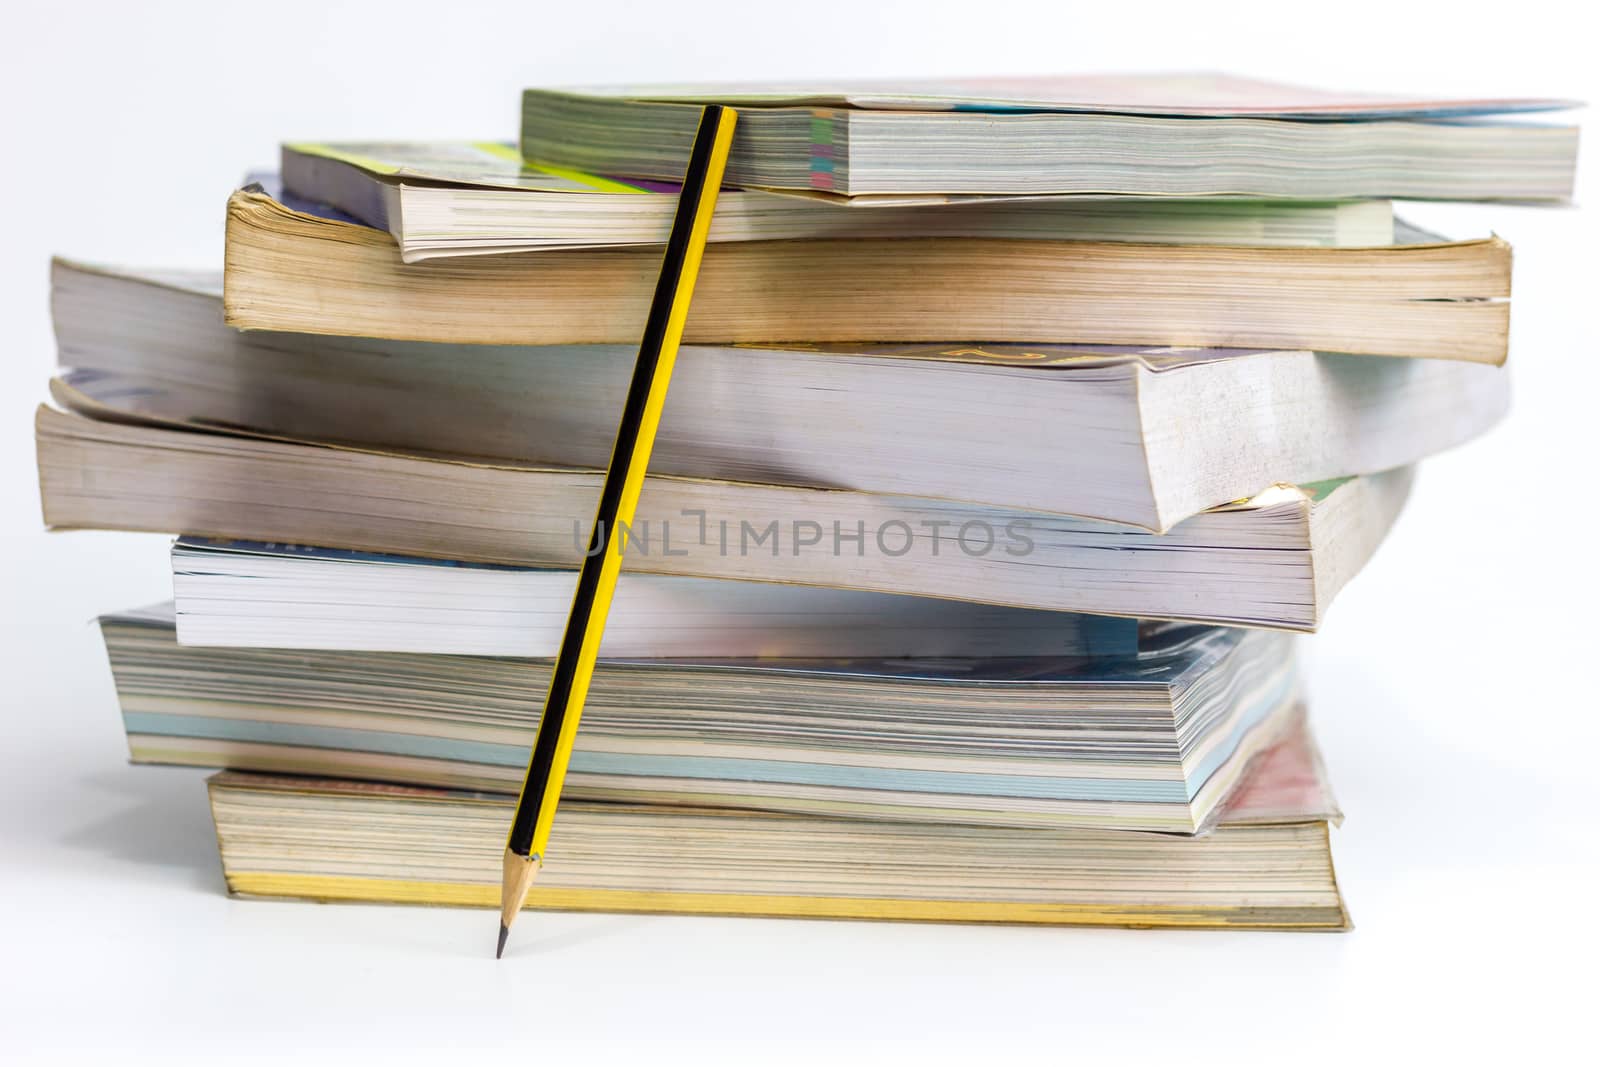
620, 491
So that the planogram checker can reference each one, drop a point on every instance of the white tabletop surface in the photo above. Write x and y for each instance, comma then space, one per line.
1450, 685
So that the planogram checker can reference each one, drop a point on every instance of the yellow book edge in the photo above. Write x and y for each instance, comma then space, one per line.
544, 898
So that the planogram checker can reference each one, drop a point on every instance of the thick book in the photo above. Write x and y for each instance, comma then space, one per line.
1268, 865
1147, 135
440, 199
253, 595
308, 273
1277, 559
1147, 437
1154, 740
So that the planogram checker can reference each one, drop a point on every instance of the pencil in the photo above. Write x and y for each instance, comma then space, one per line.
619, 497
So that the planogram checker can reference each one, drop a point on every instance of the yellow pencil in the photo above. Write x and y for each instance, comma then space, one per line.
619, 497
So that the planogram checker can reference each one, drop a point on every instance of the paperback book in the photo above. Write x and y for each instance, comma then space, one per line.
1276, 560
1268, 864
439, 199
1154, 740
1147, 437
309, 273
1146, 135
252, 595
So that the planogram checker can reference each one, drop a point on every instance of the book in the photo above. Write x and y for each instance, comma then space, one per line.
1148, 135
1276, 559
1147, 437
1150, 741
1191, 94
1268, 865
252, 595
439, 199
293, 271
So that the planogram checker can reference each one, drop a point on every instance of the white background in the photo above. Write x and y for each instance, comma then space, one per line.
1452, 684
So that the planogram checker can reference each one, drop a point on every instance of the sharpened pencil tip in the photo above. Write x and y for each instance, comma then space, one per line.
500, 946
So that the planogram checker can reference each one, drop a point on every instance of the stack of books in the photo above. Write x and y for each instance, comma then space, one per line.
1019, 426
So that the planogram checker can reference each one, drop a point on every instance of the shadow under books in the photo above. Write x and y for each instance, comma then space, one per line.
153, 817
